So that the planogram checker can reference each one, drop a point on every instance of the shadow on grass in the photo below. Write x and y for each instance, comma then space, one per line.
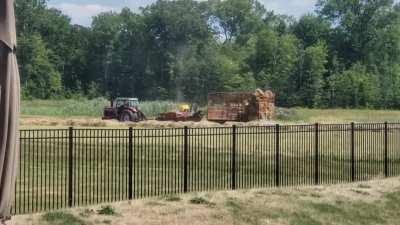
383, 211
317, 211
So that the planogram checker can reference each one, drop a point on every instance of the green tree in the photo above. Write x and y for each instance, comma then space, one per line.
283, 24
66, 43
173, 26
28, 13
237, 19
127, 68
311, 30
274, 63
103, 35
184, 49
354, 88
75, 66
311, 81
39, 76
198, 72
357, 24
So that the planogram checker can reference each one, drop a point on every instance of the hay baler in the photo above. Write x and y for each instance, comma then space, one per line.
185, 113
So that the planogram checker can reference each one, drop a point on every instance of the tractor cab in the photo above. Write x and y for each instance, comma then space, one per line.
127, 102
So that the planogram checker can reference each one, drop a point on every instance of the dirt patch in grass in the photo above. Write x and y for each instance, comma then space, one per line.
337, 204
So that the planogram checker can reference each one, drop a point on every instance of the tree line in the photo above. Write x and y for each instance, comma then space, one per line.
345, 54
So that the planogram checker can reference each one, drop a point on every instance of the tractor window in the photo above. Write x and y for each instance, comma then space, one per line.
119, 103
131, 103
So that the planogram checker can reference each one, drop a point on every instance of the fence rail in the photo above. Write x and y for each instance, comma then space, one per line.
62, 168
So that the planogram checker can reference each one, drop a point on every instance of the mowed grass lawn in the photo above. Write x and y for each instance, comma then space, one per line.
100, 168
100, 163
375, 202
344, 115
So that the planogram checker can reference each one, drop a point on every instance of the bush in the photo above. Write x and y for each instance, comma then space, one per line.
199, 201
355, 87
62, 218
107, 210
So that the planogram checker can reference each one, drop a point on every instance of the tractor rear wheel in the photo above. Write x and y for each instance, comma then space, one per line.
135, 117
129, 116
126, 116
141, 116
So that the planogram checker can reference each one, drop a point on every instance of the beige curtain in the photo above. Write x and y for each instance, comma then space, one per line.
9, 108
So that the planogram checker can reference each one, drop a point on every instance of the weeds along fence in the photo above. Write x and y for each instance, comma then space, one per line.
62, 168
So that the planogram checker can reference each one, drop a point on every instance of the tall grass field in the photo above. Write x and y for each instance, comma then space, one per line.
86, 108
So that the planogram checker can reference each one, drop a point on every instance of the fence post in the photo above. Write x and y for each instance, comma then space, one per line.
353, 166
130, 158
70, 165
316, 154
277, 157
386, 149
233, 179
185, 160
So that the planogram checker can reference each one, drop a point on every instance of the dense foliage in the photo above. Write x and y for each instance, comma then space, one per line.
346, 54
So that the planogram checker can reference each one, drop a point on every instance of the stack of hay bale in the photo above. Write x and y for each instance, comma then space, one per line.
266, 104
241, 106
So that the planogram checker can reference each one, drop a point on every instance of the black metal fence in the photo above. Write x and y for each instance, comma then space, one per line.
62, 168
